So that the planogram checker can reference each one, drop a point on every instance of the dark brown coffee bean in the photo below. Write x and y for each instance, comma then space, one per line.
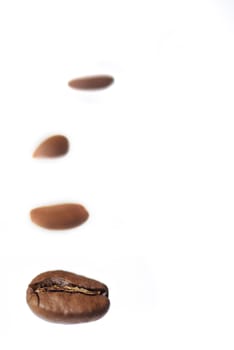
91, 82
54, 146
64, 297
60, 216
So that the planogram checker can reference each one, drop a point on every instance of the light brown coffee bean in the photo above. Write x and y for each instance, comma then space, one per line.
64, 297
54, 146
60, 216
91, 82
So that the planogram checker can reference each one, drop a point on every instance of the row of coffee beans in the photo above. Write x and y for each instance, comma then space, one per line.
61, 296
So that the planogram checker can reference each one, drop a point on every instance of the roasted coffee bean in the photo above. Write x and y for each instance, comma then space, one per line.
64, 297
91, 82
60, 216
54, 146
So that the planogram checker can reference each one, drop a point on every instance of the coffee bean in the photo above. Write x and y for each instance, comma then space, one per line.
64, 297
60, 216
91, 82
54, 146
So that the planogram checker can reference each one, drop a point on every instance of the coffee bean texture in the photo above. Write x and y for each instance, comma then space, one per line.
60, 216
65, 297
91, 82
54, 146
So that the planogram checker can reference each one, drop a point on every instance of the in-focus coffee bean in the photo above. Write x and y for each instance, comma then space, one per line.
64, 297
60, 216
54, 146
91, 82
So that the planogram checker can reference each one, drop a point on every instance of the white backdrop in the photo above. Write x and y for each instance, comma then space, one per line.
151, 158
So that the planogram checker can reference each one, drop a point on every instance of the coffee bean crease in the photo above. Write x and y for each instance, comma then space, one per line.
64, 287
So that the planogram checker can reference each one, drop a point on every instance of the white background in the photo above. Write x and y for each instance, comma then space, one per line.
151, 158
